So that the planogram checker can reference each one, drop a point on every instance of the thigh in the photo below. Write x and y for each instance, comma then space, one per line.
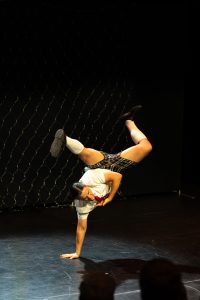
135, 153
91, 156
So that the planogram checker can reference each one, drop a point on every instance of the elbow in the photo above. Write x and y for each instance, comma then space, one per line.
119, 177
149, 148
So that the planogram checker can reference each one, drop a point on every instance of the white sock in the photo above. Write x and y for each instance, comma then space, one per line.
137, 135
74, 145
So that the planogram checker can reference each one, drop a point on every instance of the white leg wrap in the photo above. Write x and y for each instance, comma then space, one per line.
137, 135
74, 145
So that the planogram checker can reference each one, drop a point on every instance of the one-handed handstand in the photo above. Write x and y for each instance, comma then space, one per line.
100, 182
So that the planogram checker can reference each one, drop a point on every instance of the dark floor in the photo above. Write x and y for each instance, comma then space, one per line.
120, 238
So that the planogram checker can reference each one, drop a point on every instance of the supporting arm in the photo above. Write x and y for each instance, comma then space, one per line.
80, 236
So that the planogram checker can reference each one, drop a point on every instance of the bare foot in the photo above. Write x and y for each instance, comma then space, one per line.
69, 256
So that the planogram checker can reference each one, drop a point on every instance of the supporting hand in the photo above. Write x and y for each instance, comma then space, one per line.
69, 256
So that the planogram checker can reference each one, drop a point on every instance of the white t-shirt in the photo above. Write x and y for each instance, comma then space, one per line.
95, 179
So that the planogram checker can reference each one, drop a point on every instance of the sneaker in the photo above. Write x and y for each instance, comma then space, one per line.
131, 114
58, 144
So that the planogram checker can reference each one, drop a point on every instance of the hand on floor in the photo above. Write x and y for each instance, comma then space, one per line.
69, 256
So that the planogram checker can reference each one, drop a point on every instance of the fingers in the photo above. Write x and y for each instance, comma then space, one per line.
106, 201
100, 203
69, 256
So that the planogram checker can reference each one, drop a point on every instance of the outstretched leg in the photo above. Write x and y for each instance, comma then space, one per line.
142, 145
88, 155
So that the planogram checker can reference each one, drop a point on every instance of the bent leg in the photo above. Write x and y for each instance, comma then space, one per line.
143, 146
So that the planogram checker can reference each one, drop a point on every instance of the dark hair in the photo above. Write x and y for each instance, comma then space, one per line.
97, 286
160, 279
76, 190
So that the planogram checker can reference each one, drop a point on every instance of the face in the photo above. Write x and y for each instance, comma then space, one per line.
87, 194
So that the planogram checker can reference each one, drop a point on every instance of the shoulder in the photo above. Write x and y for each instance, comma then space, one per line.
98, 174
93, 176
96, 171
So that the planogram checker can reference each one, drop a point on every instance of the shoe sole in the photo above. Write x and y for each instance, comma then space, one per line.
131, 114
59, 134
58, 144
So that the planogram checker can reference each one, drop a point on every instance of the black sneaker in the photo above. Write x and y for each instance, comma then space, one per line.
131, 114
58, 144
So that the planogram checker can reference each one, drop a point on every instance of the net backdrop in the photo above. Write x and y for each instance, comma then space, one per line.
74, 67
62, 66
29, 176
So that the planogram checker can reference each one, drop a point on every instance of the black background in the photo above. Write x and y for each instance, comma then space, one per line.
48, 47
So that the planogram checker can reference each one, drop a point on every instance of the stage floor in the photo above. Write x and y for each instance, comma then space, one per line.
120, 238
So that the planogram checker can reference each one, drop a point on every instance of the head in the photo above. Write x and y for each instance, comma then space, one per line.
160, 279
97, 286
81, 191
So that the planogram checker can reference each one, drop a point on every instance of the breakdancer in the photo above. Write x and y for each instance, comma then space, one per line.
103, 173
